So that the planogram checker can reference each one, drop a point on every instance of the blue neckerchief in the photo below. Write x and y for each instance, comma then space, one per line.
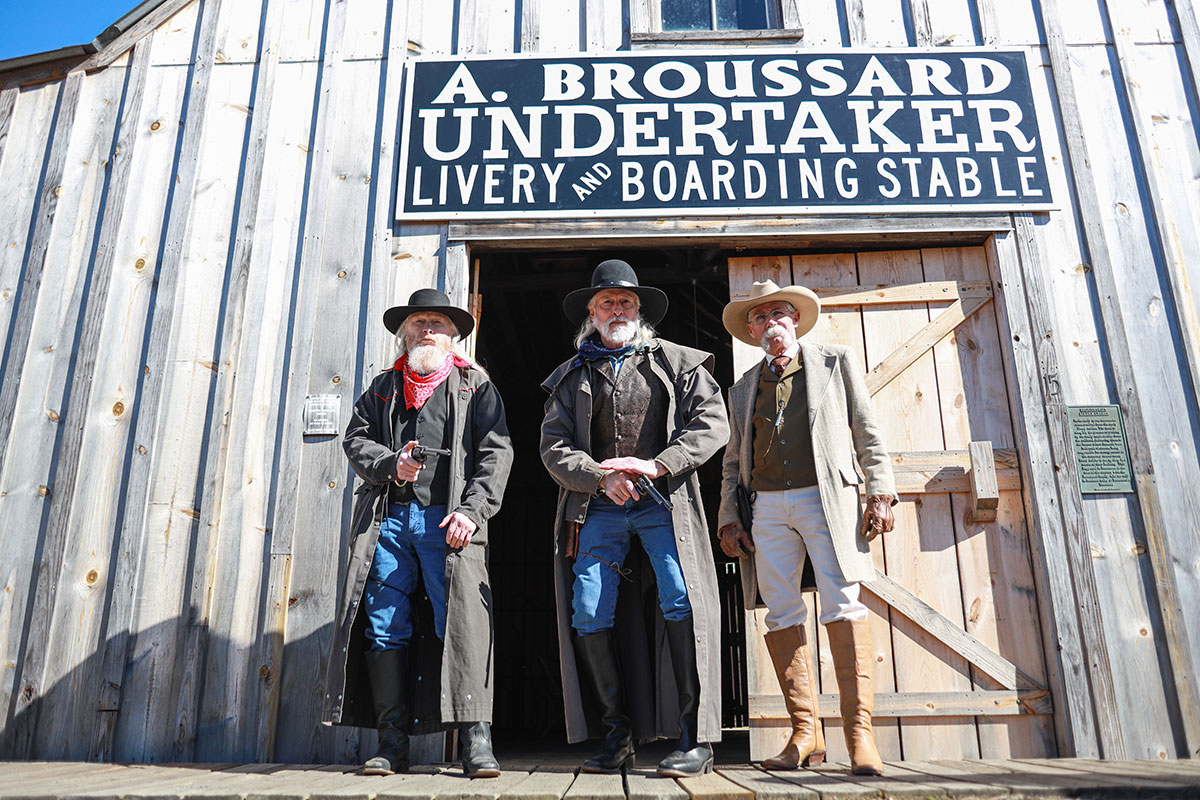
592, 349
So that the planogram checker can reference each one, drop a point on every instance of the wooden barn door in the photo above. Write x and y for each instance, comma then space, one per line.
959, 669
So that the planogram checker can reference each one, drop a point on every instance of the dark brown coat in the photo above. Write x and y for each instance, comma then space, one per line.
698, 428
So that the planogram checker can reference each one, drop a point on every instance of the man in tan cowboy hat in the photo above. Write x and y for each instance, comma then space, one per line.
429, 440
789, 452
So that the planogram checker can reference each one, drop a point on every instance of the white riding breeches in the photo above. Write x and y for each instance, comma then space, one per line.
788, 525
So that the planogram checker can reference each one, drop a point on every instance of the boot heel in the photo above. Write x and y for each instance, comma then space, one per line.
814, 759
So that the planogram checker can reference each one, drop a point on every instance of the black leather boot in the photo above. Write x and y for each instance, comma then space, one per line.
691, 757
388, 673
596, 656
478, 760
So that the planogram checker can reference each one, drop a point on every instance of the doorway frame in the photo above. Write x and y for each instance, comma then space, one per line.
1084, 710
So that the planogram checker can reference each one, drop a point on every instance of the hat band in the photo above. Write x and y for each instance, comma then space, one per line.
610, 284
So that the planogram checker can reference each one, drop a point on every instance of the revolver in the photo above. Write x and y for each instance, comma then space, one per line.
646, 487
420, 452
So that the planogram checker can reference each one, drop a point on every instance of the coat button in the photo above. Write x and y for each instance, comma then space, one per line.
789, 483
468, 697
786, 463
783, 441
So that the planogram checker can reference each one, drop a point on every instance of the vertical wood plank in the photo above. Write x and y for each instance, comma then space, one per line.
560, 26
73, 565
8, 101
303, 31
605, 25
943, 23
175, 38
920, 554
26, 502
817, 18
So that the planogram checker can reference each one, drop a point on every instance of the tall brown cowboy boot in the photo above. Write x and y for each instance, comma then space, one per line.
789, 653
850, 642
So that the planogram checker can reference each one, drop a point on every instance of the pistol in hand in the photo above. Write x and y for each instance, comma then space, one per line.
420, 452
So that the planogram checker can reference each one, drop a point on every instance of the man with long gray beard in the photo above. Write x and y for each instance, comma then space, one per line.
630, 408
420, 517
797, 418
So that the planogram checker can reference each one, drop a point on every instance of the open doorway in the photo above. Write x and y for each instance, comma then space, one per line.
523, 336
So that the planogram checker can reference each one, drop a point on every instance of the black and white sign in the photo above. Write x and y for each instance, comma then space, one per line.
768, 132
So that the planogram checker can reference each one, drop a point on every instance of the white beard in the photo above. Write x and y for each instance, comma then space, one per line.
770, 333
425, 359
621, 334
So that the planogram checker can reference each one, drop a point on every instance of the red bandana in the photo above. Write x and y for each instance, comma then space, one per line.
419, 388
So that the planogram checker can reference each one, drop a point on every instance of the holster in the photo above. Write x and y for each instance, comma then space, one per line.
744, 506
572, 550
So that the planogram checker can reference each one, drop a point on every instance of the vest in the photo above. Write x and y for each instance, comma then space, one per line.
427, 425
629, 410
783, 453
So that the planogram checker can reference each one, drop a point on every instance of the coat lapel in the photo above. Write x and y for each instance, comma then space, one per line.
818, 371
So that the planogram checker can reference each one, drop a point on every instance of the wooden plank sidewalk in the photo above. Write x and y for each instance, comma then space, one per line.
943, 780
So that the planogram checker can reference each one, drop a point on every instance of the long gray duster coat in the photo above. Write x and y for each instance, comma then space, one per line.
462, 668
842, 423
699, 428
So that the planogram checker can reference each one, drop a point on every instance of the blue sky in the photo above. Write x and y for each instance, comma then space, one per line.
34, 26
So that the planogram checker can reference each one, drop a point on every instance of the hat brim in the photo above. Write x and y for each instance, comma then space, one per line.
652, 303
394, 317
805, 301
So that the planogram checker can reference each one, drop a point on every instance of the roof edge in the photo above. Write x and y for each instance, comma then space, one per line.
106, 37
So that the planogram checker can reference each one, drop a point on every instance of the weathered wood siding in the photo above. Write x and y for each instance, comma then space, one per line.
196, 235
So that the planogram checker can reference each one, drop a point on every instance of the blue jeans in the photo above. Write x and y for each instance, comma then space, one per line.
604, 537
410, 545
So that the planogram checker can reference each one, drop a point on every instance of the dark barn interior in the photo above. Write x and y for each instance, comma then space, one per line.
524, 335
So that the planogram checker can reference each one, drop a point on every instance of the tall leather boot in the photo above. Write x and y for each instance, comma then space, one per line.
478, 760
789, 653
596, 655
691, 757
387, 671
850, 642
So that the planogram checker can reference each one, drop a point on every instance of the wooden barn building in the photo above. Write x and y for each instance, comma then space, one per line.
204, 213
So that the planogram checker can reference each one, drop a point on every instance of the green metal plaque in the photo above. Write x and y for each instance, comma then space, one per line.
1101, 451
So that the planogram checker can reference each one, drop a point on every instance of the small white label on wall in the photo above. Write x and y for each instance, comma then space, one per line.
321, 414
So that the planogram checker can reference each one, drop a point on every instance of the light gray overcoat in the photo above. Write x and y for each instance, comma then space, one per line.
699, 428
453, 682
842, 423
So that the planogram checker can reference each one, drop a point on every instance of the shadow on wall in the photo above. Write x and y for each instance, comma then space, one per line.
210, 700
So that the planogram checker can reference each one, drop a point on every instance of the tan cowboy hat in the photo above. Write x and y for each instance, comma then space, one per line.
806, 302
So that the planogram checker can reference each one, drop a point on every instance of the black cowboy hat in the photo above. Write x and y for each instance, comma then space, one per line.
429, 300
616, 274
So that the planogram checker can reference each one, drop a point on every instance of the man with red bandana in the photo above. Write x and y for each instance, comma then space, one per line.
417, 656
